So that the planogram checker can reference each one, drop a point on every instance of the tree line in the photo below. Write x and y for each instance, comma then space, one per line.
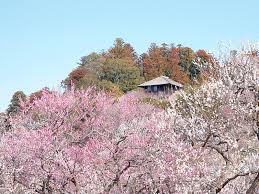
120, 69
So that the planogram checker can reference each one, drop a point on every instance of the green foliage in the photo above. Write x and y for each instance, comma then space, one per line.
110, 88
120, 67
122, 50
186, 58
163, 104
89, 59
117, 71
113, 71
92, 63
14, 106
89, 79
92, 80
167, 72
194, 71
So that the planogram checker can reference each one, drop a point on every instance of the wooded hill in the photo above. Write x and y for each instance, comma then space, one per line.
121, 69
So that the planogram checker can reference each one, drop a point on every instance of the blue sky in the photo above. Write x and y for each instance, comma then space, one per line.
41, 41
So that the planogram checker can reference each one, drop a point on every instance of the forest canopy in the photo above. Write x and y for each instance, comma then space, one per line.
121, 69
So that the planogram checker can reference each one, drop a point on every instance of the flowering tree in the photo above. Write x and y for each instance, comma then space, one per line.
222, 117
88, 142
84, 141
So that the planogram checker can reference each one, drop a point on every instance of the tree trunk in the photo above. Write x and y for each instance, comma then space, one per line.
254, 188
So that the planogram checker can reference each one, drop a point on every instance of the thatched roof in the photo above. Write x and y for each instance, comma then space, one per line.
162, 80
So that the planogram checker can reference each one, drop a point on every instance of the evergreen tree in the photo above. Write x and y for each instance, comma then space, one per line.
14, 106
